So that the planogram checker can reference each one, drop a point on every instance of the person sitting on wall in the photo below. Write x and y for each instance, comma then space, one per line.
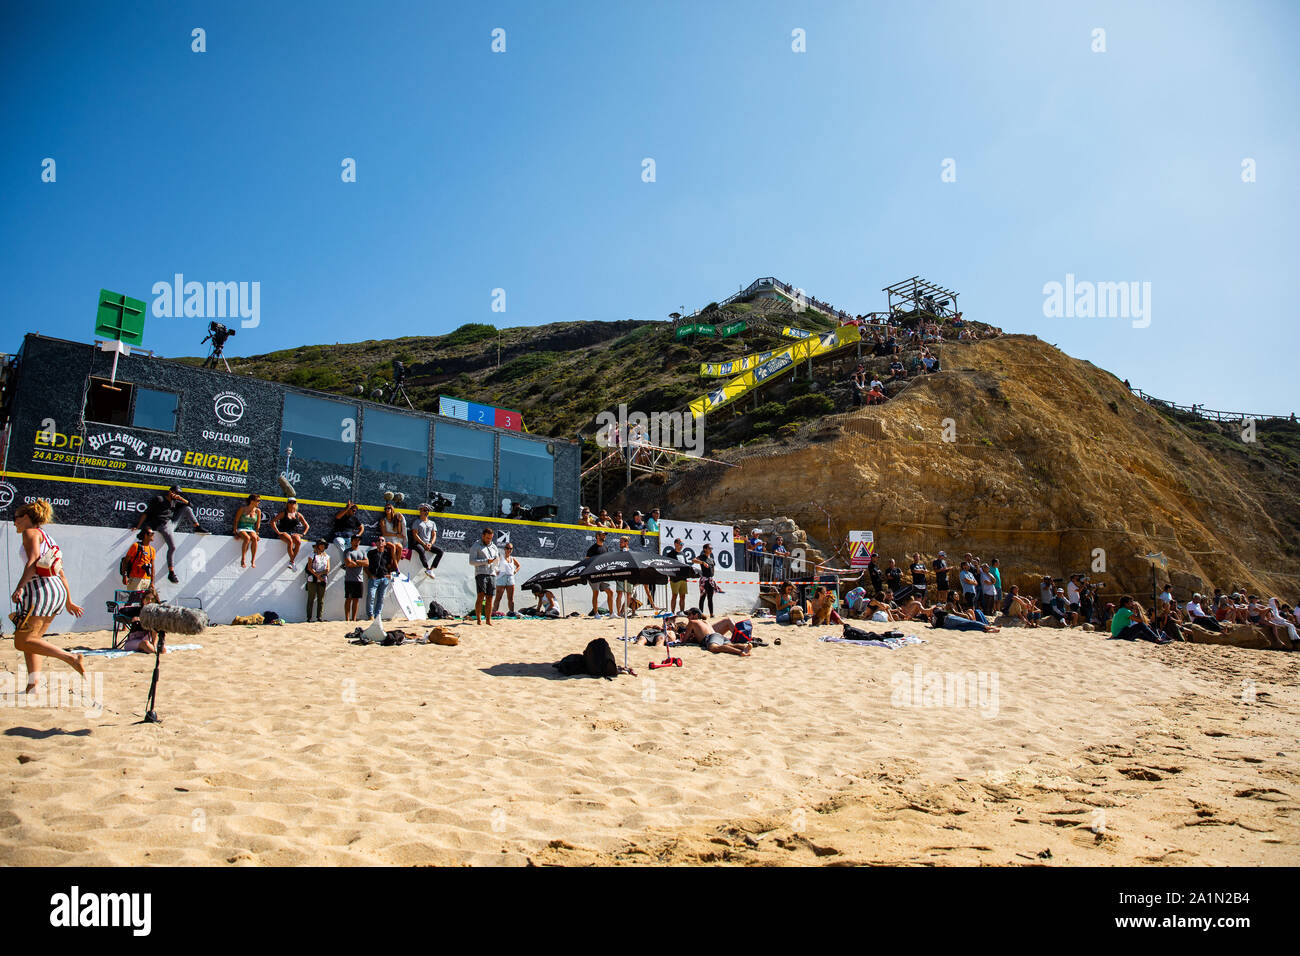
137, 565
160, 510
347, 525
896, 370
248, 525
423, 538
392, 530
585, 517
291, 527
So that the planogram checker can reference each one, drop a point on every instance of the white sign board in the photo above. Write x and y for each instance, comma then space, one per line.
696, 536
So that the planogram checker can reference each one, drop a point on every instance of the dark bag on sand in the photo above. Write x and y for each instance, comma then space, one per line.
597, 661
438, 613
852, 633
570, 665
599, 658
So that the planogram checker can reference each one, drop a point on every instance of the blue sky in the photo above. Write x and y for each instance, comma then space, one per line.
523, 170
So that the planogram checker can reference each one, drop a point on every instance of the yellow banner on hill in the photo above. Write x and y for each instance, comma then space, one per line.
780, 362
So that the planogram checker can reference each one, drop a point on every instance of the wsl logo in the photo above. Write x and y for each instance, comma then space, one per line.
7, 494
229, 408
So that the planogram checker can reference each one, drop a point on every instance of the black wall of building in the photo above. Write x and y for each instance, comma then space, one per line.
226, 444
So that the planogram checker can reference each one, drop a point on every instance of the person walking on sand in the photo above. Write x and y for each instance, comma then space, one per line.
248, 522
484, 557
42, 591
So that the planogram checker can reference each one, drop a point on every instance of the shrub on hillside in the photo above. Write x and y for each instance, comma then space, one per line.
524, 366
470, 333
809, 406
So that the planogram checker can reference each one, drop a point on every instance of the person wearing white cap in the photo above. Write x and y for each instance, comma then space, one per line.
1196, 614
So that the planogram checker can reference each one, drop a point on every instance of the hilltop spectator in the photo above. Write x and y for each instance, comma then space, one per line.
137, 566
860, 386
290, 527
158, 514
347, 524
896, 370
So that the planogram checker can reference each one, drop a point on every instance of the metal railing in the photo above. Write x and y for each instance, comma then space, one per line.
1211, 414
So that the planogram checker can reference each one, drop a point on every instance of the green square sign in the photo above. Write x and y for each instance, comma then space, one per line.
119, 317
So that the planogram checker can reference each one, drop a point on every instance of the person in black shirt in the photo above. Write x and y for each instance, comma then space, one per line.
873, 570
347, 524
707, 586
941, 573
159, 511
595, 549
918, 575
893, 575
677, 589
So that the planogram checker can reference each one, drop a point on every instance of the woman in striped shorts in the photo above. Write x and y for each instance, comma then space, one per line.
42, 591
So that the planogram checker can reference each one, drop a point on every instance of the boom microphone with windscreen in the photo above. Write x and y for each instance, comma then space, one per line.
172, 619
286, 487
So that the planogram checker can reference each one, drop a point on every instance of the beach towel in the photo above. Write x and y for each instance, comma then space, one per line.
108, 654
892, 643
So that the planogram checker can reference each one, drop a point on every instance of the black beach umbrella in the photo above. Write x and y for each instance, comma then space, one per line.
634, 567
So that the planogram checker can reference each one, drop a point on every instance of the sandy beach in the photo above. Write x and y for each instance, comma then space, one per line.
287, 745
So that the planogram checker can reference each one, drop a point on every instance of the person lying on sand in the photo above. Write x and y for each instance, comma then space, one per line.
713, 639
953, 616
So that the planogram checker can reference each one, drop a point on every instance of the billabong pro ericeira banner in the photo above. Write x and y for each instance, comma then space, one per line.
720, 331
781, 362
